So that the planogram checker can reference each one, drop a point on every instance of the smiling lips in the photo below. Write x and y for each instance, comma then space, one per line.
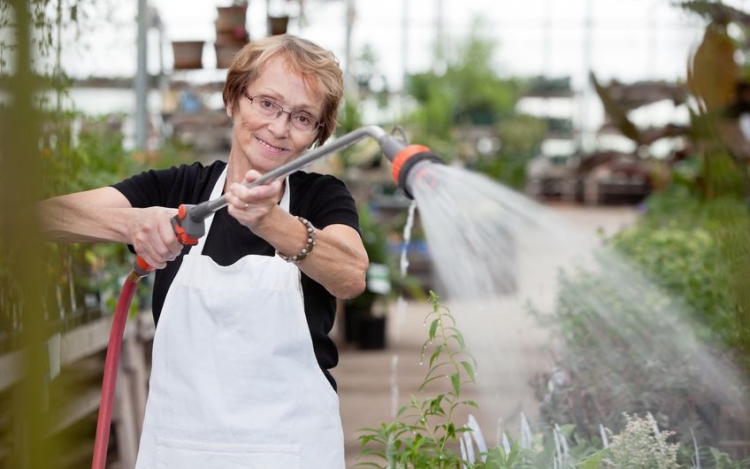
270, 147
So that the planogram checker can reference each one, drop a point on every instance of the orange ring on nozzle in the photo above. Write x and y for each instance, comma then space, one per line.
406, 160
403, 156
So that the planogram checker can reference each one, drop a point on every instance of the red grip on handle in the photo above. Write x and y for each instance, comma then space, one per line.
184, 238
141, 267
179, 230
142, 264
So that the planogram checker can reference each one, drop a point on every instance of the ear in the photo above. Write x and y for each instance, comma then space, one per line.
229, 109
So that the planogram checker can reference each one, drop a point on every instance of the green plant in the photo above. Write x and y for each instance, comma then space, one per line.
424, 434
521, 138
696, 250
468, 93
644, 328
71, 160
641, 445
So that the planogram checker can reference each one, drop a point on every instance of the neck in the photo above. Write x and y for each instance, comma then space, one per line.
236, 170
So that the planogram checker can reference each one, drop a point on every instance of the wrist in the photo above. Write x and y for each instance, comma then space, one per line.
309, 243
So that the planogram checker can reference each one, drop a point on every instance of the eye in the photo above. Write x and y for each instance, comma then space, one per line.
267, 104
304, 120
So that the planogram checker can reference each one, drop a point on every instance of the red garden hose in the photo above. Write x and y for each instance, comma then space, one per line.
101, 441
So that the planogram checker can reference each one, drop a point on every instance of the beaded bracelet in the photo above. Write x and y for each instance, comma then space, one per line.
308, 247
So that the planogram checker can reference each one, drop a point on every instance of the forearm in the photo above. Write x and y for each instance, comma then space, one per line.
338, 260
106, 215
336, 265
90, 216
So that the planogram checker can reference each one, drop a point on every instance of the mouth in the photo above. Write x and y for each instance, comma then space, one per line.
270, 148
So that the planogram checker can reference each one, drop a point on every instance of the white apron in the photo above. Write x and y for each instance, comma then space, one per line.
234, 382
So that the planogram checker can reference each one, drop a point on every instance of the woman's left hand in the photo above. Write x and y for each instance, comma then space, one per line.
339, 261
250, 206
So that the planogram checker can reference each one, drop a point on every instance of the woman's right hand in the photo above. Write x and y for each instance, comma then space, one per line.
153, 237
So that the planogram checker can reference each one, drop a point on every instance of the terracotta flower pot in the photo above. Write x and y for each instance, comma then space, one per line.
230, 18
187, 54
225, 53
238, 36
277, 25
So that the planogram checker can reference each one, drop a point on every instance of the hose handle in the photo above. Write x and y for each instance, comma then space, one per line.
187, 231
186, 228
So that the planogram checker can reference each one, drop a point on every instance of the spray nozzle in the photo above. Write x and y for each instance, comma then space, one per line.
404, 157
406, 160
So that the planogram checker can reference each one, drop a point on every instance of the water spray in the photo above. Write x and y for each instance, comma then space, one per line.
408, 161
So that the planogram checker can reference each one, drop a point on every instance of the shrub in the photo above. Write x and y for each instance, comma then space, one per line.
655, 326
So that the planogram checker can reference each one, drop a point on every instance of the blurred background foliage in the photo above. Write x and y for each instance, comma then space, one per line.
471, 92
692, 241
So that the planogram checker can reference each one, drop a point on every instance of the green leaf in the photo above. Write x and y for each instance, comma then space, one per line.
450, 431
433, 328
436, 354
460, 339
436, 405
469, 370
428, 381
456, 382
593, 461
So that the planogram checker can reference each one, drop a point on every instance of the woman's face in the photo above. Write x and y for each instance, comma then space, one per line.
265, 143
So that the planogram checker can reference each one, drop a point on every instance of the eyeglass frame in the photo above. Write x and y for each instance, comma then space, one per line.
281, 110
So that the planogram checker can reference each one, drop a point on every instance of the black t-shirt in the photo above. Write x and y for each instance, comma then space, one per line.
322, 199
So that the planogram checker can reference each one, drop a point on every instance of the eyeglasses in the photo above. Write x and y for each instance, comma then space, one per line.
265, 107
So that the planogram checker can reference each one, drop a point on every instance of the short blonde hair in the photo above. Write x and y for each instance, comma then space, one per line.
317, 66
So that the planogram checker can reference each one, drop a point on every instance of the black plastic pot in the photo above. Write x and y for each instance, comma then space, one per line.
372, 333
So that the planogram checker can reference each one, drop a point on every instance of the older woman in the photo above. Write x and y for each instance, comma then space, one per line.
241, 357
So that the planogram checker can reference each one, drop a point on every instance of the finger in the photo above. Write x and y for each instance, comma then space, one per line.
146, 247
160, 253
168, 245
260, 192
251, 175
234, 199
152, 260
